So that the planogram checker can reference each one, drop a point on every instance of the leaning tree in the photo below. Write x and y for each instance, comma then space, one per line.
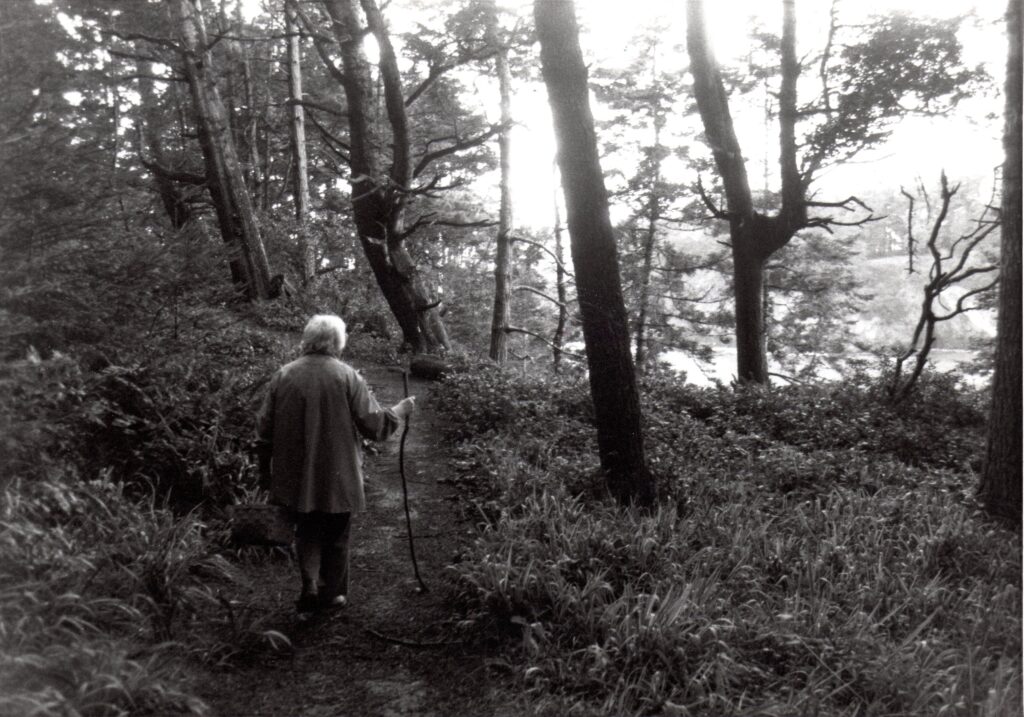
224, 175
386, 170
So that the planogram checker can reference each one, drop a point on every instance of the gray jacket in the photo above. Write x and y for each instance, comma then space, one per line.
309, 425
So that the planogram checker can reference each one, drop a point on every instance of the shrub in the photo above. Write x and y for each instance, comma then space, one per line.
808, 554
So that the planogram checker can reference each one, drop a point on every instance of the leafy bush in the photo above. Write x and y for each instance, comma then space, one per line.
802, 560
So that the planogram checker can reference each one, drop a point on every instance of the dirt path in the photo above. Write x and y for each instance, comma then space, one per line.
343, 664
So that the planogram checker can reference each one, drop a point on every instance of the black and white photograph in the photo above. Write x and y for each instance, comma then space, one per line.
511, 358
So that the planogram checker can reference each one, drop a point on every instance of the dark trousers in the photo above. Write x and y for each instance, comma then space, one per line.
321, 541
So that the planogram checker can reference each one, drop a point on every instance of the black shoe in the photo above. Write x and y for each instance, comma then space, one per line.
307, 603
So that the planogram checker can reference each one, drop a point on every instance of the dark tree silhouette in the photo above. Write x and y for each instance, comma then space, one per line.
1001, 476
613, 385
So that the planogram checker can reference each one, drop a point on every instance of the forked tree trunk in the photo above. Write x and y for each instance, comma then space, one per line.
378, 197
754, 237
300, 173
613, 384
1000, 488
224, 173
503, 253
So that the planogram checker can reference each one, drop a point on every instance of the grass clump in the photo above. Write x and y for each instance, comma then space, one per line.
94, 591
809, 555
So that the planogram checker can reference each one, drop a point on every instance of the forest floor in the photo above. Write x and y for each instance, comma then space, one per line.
393, 651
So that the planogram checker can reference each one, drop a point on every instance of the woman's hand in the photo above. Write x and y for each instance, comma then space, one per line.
404, 407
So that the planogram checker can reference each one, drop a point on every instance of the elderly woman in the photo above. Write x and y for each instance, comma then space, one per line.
308, 432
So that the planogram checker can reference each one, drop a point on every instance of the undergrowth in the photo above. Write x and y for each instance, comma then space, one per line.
114, 569
814, 551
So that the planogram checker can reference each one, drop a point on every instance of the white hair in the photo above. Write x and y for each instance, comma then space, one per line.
324, 334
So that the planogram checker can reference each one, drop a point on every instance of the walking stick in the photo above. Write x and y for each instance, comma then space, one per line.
405, 490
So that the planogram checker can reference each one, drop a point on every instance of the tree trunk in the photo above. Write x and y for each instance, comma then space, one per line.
613, 385
754, 236
173, 199
748, 280
241, 104
227, 185
650, 240
300, 176
503, 259
378, 199
563, 307
1000, 488
251, 118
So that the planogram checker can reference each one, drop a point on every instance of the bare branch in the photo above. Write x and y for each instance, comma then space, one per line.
320, 43
457, 146
174, 175
243, 38
464, 225
137, 56
428, 219
827, 222
562, 351
547, 251
947, 197
133, 36
436, 71
973, 238
121, 79
541, 294
709, 203
433, 74
960, 308
910, 229
849, 204
314, 105
826, 56
340, 148
432, 188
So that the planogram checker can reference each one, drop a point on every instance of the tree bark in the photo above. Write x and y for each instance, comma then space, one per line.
300, 175
650, 241
503, 250
1000, 488
224, 173
241, 106
378, 199
753, 236
563, 306
173, 199
613, 385
251, 118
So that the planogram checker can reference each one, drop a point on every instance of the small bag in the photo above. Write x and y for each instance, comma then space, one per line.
261, 524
